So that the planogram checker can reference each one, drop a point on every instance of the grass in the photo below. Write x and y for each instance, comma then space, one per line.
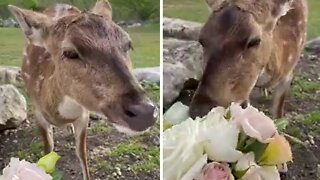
145, 158
302, 88
153, 91
149, 156
33, 153
98, 128
197, 10
193, 10
146, 42
11, 44
313, 118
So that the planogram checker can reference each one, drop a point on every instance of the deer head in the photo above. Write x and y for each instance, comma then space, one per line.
92, 67
237, 41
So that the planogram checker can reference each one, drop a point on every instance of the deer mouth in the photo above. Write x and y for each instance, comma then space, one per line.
131, 119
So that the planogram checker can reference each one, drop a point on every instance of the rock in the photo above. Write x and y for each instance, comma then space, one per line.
13, 107
10, 23
313, 45
10, 75
130, 23
1, 22
181, 29
118, 171
182, 60
151, 74
95, 117
134, 25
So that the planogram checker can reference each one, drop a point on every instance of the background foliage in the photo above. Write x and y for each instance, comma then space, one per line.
197, 10
123, 9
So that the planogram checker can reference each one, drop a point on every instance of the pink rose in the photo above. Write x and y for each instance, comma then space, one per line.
215, 171
254, 123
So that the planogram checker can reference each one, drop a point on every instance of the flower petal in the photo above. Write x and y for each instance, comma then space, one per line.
277, 152
254, 123
182, 148
262, 173
245, 162
196, 168
222, 142
177, 113
215, 171
23, 170
269, 172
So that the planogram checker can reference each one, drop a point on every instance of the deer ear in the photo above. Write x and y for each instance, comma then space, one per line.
281, 7
103, 8
215, 4
34, 25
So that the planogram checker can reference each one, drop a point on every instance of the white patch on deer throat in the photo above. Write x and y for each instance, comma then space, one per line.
35, 37
70, 109
126, 130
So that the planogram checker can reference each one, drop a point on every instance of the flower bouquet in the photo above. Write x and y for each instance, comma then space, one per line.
226, 144
24, 170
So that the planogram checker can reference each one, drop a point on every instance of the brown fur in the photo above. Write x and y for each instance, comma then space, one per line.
82, 56
233, 67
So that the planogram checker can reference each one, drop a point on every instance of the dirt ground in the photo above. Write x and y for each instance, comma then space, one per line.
112, 155
302, 114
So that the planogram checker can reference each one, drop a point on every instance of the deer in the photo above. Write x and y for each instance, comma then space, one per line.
247, 44
76, 62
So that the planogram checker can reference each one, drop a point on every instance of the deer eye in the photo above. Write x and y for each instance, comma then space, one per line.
201, 42
70, 54
254, 43
128, 46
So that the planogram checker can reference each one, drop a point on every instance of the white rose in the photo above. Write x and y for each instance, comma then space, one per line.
23, 170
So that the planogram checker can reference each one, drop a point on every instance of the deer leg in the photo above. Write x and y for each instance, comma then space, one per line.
280, 92
80, 132
46, 132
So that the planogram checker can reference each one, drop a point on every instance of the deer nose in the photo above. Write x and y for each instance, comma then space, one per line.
140, 116
201, 109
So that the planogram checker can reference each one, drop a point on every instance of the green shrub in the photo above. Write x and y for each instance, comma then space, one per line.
122, 9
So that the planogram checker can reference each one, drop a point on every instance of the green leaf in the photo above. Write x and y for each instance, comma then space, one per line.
239, 174
242, 141
256, 147
48, 162
281, 124
227, 114
57, 175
